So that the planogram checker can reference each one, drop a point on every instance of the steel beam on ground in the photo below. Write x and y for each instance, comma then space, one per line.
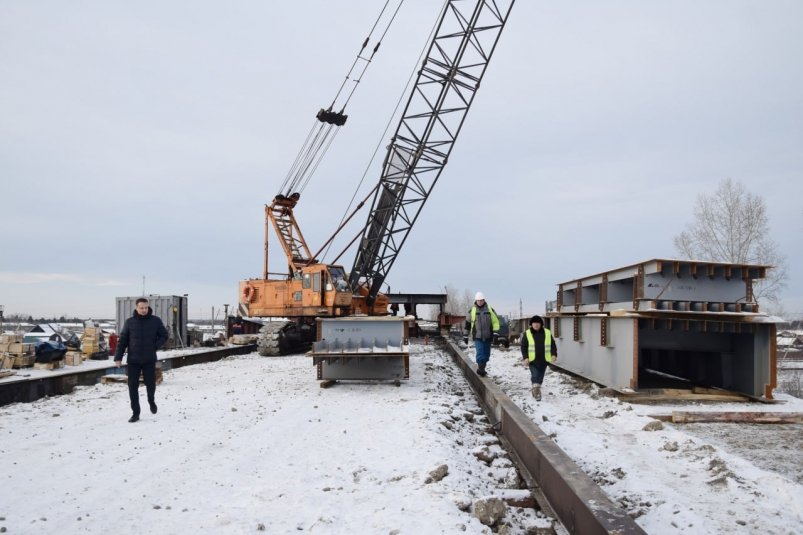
578, 502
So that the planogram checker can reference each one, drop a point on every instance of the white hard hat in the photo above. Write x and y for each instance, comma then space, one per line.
479, 296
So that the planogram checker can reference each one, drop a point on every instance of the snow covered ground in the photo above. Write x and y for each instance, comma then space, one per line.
251, 444
685, 478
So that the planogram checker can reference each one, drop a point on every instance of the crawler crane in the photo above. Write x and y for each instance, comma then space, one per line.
455, 61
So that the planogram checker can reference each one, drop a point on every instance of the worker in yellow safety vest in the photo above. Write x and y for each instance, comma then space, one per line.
537, 349
483, 327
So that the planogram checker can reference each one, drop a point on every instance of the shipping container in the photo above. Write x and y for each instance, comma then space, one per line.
172, 309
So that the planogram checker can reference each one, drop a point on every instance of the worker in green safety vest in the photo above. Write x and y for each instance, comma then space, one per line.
537, 350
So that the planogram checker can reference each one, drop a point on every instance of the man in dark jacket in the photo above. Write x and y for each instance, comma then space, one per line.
142, 334
537, 349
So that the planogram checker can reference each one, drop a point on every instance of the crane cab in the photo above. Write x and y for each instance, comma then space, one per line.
314, 290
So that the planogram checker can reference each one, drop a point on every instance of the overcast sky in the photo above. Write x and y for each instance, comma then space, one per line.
142, 139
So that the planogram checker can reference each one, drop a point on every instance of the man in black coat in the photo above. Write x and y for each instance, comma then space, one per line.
142, 334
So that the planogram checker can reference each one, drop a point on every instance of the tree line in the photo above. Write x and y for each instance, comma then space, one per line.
27, 318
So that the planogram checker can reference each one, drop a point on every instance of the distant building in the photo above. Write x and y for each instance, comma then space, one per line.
45, 328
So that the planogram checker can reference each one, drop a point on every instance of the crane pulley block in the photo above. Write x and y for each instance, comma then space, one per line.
332, 117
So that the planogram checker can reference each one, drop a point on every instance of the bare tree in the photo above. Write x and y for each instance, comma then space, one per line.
457, 301
731, 225
451, 299
468, 300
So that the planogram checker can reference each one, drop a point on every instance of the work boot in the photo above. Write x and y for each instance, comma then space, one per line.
134, 418
153, 407
481, 370
536, 391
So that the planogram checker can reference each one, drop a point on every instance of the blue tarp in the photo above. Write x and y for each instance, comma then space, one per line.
50, 350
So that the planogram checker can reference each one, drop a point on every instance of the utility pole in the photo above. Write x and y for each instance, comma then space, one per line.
521, 310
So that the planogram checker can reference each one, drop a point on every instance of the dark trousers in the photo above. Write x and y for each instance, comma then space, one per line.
537, 372
148, 371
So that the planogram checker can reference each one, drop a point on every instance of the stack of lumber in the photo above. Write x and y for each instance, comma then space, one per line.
14, 352
73, 358
90, 341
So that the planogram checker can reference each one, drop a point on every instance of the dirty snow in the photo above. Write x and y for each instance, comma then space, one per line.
251, 444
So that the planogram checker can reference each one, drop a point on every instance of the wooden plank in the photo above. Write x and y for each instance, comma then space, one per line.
677, 394
123, 378
107, 379
679, 417
53, 365
653, 398
706, 390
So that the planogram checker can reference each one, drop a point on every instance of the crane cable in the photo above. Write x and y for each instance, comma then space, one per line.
410, 79
325, 126
353, 89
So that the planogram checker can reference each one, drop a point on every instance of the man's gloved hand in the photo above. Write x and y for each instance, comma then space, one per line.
465, 340
496, 338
